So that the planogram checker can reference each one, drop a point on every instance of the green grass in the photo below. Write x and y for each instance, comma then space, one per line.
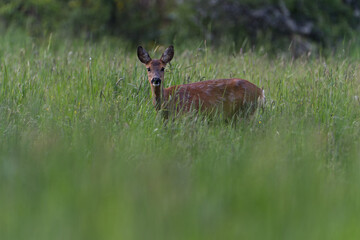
83, 154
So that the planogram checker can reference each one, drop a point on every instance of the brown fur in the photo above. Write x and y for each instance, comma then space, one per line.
232, 96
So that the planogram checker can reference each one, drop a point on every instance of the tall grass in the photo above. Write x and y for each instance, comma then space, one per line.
83, 154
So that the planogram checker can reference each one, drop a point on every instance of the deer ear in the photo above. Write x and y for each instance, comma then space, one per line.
168, 54
143, 56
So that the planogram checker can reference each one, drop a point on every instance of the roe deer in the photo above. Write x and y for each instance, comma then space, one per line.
229, 96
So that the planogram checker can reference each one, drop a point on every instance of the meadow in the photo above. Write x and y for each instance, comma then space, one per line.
84, 155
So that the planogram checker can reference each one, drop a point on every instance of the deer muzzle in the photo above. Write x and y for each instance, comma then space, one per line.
156, 82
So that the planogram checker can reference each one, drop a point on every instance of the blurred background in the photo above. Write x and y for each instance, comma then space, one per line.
84, 155
302, 26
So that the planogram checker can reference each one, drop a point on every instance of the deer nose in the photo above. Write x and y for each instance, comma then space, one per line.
156, 82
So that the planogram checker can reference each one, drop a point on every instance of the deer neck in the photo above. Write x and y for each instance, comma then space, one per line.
159, 97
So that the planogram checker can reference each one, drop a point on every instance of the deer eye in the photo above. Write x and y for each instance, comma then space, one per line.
148, 69
162, 69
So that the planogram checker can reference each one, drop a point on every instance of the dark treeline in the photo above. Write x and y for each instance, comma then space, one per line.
304, 24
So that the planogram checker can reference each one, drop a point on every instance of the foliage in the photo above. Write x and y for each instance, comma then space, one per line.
178, 21
83, 154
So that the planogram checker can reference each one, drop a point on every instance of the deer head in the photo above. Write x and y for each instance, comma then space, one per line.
155, 67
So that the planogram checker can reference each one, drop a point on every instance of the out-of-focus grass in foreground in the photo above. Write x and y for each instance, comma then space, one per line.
83, 154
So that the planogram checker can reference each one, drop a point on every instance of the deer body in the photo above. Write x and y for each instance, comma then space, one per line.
230, 96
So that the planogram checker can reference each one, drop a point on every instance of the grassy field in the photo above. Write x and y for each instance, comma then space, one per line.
83, 154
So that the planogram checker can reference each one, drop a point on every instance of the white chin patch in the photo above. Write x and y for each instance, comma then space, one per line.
156, 84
